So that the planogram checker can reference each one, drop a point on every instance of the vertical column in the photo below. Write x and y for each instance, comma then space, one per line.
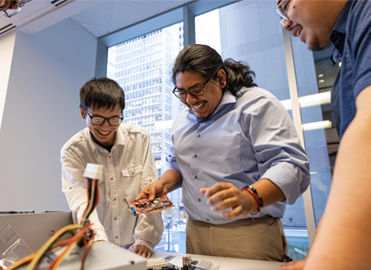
296, 114
188, 27
101, 60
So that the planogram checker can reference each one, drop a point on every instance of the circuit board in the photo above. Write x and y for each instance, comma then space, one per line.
143, 206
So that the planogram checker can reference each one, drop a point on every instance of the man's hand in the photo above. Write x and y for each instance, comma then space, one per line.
294, 265
226, 195
154, 190
141, 250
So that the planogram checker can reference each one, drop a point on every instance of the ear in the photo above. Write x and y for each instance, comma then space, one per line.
82, 112
222, 77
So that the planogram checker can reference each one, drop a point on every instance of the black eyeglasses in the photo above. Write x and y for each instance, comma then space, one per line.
99, 120
281, 9
194, 91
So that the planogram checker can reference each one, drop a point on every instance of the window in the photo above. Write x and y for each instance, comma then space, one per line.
144, 103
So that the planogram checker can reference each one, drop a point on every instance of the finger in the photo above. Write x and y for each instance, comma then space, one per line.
222, 196
217, 187
164, 191
152, 192
236, 212
149, 253
143, 194
142, 251
203, 190
132, 248
225, 204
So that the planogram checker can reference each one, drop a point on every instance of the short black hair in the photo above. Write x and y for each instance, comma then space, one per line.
102, 93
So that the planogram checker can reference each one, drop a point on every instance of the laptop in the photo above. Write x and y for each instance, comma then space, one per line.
36, 228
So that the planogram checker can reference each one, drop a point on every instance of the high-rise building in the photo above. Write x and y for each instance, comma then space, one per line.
143, 67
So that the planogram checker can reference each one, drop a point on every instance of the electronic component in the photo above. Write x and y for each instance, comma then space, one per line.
143, 206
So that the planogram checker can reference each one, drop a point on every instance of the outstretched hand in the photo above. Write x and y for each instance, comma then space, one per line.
156, 189
225, 196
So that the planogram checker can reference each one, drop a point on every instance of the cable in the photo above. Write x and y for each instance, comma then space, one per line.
82, 234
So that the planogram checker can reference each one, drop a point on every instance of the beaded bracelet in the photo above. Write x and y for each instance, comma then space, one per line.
257, 198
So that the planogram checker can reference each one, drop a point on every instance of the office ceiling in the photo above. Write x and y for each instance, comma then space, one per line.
99, 17
109, 16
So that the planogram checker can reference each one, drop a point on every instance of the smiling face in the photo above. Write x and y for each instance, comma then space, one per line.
104, 134
312, 21
204, 105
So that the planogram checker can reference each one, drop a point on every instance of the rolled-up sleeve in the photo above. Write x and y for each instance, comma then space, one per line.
280, 156
171, 159
74, 187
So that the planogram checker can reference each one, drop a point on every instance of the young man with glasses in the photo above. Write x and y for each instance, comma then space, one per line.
125, 152
343, 239
236, 155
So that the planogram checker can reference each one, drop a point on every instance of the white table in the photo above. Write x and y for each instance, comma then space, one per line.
224, 262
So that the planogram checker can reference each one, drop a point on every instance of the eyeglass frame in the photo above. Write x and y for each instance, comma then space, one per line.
190, 89
281, 11
104, 119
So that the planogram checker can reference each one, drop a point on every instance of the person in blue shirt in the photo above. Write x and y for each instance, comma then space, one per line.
237, 157
343, 238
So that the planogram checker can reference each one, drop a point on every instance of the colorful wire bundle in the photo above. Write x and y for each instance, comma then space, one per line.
66, 238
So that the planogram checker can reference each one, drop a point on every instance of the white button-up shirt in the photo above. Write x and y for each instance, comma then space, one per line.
128, 169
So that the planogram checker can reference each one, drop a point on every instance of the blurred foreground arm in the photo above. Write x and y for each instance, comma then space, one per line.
343, 241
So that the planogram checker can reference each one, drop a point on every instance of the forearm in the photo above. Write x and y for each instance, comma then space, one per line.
343, 242
171, 179
269, 191
149, 230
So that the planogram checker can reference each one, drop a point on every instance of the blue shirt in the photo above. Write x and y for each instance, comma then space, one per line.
246, 138
351, 37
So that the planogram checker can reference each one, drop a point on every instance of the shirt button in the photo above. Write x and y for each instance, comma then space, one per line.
114, 199
195, 156
132, 173
196, 177
199, 200
111, 178
109, 156
70, 187
115, 219
116, 237
198, 136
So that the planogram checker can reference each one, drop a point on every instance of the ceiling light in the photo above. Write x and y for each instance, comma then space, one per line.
317, 125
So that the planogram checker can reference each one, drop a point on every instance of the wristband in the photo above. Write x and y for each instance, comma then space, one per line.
257, 198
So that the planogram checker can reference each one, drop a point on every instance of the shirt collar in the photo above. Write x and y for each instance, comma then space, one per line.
337, 36
119, 140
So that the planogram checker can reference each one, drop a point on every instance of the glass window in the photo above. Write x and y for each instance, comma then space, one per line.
315, 73
149, 58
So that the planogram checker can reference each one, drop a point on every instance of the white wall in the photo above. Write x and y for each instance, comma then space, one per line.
41, 113
6, 55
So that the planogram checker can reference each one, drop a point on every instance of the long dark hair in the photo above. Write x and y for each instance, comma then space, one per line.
206, 61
